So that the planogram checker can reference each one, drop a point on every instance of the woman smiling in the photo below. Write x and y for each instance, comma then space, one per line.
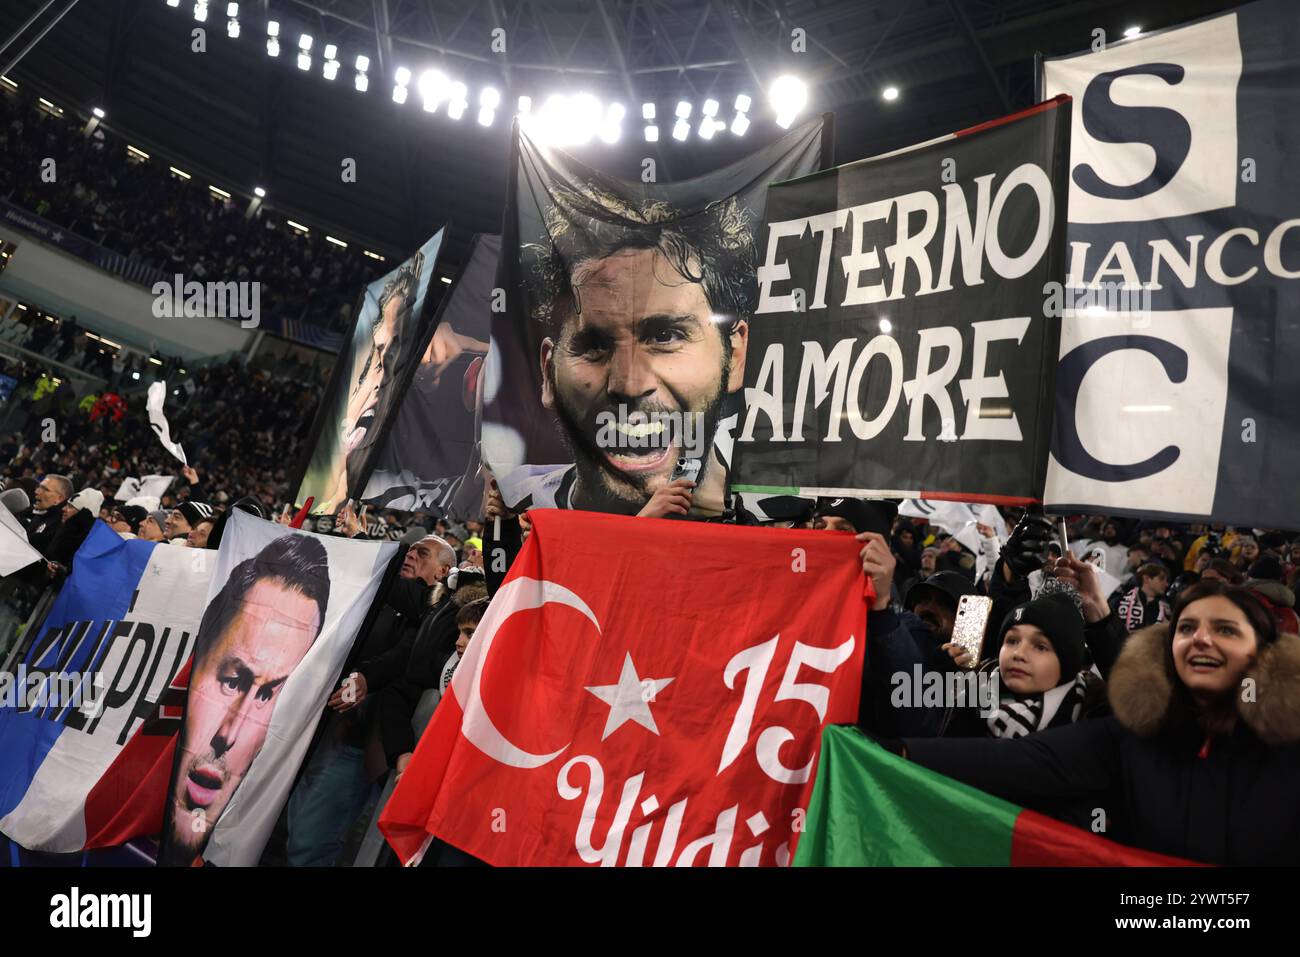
1201, 759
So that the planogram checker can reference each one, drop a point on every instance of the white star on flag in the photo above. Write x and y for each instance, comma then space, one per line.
629, 700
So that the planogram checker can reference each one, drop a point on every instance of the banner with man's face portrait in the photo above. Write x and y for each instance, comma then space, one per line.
618, 358
372, 372
283, 611
431, 443
905, 339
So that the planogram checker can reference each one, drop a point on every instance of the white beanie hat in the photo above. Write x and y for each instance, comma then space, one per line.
90, 499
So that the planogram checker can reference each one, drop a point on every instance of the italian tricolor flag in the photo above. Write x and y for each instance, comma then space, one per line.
871, 808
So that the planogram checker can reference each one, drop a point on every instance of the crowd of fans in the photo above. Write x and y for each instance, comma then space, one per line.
141, 210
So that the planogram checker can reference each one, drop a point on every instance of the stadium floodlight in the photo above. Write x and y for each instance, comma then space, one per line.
173, 3
488, 101
705, 128
612, 126
647, 111
710, 107
789, 95
201, 11
232, 21
525, 105
458, 100
232, 10
304, 52
272, 28
652, 134
740, 124
259, 192
1133, 32
890, 93
401, 79
331, 68
681, 130
742, 103
433, 87
584, 118
99, 114
272, 37
683, 109
363, 78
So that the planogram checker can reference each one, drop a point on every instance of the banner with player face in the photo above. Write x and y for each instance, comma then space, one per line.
621, 347
371, 374
904, 343
1180, 356
283, 611
431, 444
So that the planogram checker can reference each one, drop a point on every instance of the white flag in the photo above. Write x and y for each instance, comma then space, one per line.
15, 551
151, 485
154, 405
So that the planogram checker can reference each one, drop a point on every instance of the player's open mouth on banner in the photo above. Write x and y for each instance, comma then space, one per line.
364, 421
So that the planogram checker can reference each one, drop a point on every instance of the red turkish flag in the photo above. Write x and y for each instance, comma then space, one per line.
641, 692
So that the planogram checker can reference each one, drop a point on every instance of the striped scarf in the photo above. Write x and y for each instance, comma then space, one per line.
1131, 610
1015, 717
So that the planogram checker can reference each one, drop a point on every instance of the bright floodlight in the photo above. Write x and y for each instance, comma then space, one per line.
710, 108
740, 124
304, 52
890, 93
259, 192
457, 101
331, 69
362, 81
272, 28
99, 114
232, 29
304, 43
201, 10
331, 51
789, 94
683, 109
584, 118
173, 3
363, 63
401, 79
488, 101
232, 10
647, 111
681, 130
612, 128
706, 128
433, 87
652, 134
742, 103
525, 105
272, 46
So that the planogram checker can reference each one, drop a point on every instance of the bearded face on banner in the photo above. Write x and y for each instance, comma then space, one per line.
645, 317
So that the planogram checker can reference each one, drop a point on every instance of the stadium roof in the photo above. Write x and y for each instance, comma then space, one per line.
245, 119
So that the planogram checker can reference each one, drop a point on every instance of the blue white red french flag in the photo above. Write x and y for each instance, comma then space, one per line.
89, 715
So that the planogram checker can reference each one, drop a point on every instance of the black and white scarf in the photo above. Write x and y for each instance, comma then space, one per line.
1015, 717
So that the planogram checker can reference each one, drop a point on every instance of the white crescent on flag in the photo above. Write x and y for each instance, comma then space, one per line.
521, 594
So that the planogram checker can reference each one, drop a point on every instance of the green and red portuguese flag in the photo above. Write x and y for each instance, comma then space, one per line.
871, 808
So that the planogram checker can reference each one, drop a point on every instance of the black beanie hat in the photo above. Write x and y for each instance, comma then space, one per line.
1059, 619
949, 583
864, 516
194, 512
133, 515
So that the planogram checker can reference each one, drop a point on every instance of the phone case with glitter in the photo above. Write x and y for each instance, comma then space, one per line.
970, 623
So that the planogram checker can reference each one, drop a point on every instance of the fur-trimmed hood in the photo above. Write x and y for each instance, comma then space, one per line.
1142, 688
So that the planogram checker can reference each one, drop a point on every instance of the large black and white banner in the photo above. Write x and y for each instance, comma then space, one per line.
622, 347
431, 443
1180, 361
389, 336
903, 343
283, 610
